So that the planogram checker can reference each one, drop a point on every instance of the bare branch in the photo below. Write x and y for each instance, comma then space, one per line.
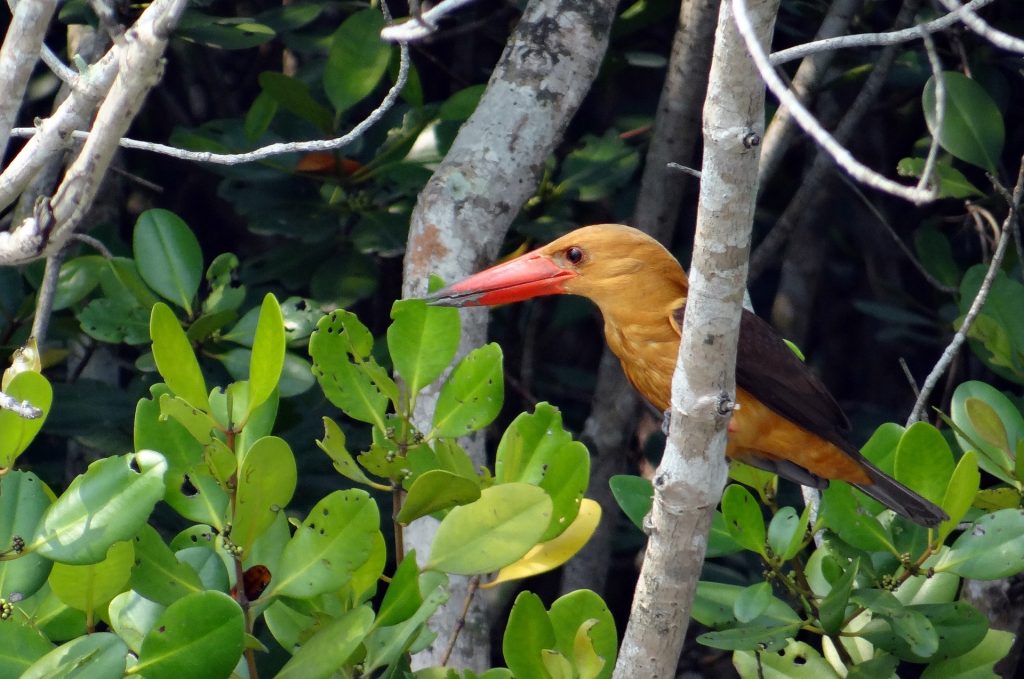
421, 25
876, 39
979, 302
18, 56
810, 124
977, 24
44, 301
20, 408
270, 150
52, 61
940, 112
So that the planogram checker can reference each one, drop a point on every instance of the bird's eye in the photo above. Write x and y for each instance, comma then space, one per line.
574, 255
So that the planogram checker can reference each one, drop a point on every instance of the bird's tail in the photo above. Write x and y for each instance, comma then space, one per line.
900, 499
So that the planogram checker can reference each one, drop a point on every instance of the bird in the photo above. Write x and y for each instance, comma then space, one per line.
786, 422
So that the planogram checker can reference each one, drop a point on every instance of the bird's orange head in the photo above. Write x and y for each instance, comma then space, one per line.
618, 267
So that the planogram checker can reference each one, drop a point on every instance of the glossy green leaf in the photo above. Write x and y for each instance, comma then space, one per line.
928, 632
743, 518
267, 353
990, 549
402, 597
752, 602
202, 634
960, 493
951, 182
528, 632
841, 508
175, 359
115, 321
77, 278
975, 664
924, 462
266, 483
536, 449
99, 654
972, 128
422, 341
90, 587
585, 631
294, 96
796, 660
715, 602
20, 647
436, 490
16, 432
751, 636
635, 496
720, 540
197, 496
365, 579
158, 575
984, 417
386, 645
832, 610
52, 618
132, 616
210, 564
327, 650
345, 383
121, 283
765, 483
357, 61
110, 502
334, 540
165, 434
23, 501
472, 396
225, 295
333, 443
997, 335
786, 532
499, 528
459, 106
197, 423
168, 256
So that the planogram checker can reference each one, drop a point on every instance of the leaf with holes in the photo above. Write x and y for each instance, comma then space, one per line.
472, 396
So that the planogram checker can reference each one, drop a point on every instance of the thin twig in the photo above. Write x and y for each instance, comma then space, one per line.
682, 168
976, 305
20, 408
421, 24
977, 24
940, 112
47, 292
904, 248
810, 124
460, 622
910, 377
876, 39
94, 243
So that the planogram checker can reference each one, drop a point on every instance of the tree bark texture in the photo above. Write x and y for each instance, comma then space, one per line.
463, 213
689, 482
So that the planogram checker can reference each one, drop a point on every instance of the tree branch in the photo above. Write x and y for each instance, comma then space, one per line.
977, 24
689, 482
18, 56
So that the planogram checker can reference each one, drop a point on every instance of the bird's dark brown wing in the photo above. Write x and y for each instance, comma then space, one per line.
772, 373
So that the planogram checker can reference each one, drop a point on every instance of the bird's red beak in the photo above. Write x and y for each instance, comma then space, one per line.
530, 275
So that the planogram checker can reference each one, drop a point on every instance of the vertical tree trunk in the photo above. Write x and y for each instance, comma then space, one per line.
689, 482
463, 213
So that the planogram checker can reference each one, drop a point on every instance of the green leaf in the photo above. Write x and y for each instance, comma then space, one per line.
95, 655
20, 647
536, 449
992, 548
158, 575
345, 383
635, 496
951, 182
936, 254
357, 61
528, 632
720, 540
115, 321
202, 634
77, 278
914, 633
90, 587
267, 353
751, 637
266, 483
715, 602
972, 128
385, 645
841, 509
975, 664
333, 443
327, 650
294, 96
23, 501
198, 423
175, 359
110, 502
924, 462
334, 540
132, 616
787, 531
168, 256
997, 335
752, 602
422, 341
743, 518
229, 33
985, 419
764, 482
436, 490
225, 295
960, 493
403, 595
472, 396
797, 660
499, 528
602, 166
832, 610
460, 106
16, 432
584, 613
